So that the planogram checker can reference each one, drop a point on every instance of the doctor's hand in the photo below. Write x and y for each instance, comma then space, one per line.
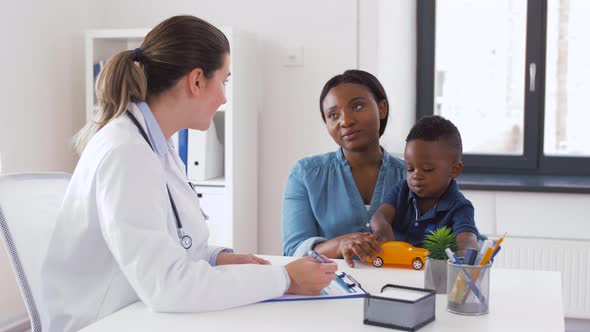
225, 258
309, 277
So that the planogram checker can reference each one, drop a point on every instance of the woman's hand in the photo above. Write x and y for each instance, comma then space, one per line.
362, 245
309, 277
225, 258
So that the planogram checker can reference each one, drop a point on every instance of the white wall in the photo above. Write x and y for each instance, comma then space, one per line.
42, 98
394, 27
41, 86
387, 40
520, 214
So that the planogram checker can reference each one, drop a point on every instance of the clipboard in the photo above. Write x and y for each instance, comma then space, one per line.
342, 287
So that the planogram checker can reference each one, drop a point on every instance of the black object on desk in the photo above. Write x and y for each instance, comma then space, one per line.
400, 307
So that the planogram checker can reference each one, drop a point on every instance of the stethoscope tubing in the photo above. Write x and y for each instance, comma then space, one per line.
185, 240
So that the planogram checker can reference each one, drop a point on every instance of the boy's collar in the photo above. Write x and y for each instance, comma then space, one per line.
446, 201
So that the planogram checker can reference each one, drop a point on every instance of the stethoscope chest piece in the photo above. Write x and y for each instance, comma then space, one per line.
186, 242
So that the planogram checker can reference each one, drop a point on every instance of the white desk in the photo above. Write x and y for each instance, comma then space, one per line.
520, 300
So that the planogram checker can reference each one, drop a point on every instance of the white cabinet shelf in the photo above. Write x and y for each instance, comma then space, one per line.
214, 182
231, 199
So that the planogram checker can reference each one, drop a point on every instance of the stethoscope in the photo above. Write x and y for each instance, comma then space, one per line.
185, 240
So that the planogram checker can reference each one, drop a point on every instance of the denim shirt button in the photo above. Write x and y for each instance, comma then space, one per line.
368, 225
416, 224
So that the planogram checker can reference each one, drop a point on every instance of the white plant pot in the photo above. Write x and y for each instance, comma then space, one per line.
435, 275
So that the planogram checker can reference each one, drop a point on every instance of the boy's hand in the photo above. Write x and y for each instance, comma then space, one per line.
383, 234
382, 221
381, 230
362, 245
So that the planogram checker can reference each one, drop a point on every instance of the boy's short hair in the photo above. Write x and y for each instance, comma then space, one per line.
434, 128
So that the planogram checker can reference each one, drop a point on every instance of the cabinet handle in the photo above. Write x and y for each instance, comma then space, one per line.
199, 195
532, 74
196, 163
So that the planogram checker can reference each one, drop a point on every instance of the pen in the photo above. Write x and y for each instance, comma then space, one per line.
495, 253
466, 275
321, 259
470, 256
317, 257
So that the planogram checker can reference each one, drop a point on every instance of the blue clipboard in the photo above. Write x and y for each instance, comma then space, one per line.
342, 287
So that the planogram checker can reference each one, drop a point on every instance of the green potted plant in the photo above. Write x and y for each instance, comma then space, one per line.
435, 273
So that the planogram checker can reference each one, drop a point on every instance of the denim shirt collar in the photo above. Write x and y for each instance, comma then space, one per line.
154, 131
385, 156
447, 199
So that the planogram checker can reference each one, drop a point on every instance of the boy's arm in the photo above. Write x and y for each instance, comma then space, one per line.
382, 222
464, 227
466, 240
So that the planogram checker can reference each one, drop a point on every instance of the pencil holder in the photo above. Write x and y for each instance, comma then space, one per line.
468, 289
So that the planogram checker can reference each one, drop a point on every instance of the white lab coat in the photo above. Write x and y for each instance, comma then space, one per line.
115, 241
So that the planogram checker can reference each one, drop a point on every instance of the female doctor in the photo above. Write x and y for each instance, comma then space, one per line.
130, 227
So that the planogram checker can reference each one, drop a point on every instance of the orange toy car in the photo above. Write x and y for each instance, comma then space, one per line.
400, 253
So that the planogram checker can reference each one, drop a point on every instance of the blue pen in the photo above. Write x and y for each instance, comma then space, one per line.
495, 253
466, 274
470, 256
317, 256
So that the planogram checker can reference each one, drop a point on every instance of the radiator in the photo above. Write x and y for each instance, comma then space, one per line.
571, 257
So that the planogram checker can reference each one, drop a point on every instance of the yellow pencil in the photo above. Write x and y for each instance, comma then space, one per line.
487, 256
497, 244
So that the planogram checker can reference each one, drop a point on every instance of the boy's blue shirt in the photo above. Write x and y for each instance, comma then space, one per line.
452, 210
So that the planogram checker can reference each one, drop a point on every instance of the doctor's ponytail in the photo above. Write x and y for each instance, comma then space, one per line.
171, 50
122, 80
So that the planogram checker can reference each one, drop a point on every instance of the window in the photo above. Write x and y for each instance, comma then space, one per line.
511, 74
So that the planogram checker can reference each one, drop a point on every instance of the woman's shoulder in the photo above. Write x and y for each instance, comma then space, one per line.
319, 160
336, 159
393, 161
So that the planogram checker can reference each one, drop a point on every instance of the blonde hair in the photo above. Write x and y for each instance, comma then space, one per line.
171, 50
121, 81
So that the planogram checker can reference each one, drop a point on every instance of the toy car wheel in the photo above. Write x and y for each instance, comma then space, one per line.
378, 262
417, 264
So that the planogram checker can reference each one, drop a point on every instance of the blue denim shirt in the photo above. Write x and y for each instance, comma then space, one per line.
452, 210
321, 200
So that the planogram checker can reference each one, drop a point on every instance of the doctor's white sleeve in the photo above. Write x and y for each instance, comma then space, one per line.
133, 207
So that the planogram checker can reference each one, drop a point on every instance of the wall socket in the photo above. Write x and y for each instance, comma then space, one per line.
293, 56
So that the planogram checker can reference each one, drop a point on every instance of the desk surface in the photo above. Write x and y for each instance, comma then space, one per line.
520, 300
